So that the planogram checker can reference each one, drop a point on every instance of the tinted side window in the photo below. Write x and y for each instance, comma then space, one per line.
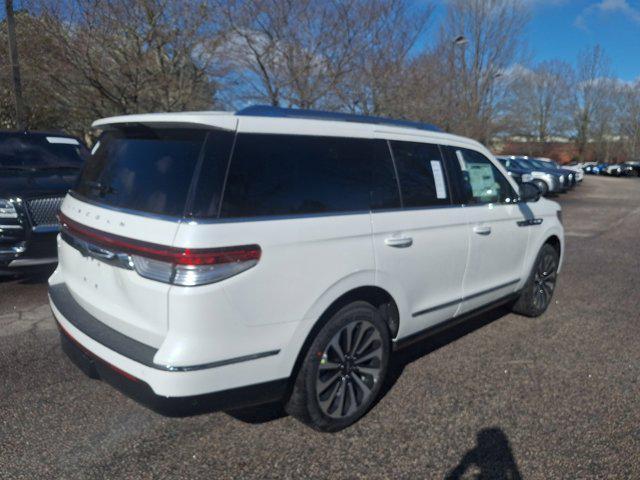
421, 173
484, 182
384, 184
215, 160
294, 174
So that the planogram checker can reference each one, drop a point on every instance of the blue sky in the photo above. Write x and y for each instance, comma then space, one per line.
562, 28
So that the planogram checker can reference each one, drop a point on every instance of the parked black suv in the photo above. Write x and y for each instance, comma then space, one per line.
36, 170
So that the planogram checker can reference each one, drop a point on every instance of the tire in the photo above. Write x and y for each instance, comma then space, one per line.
331, 393
537, 293
542, 186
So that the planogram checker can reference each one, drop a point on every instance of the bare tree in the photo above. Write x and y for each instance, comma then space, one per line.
380, 81
593, 68
602, 132
628, 119
83, 59
111, 57
41, 111
537, 103
479, 40
286, 53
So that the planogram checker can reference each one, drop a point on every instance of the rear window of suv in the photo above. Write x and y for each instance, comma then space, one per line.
151, 169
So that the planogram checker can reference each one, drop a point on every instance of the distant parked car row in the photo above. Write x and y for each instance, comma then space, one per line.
546, 174
627, 169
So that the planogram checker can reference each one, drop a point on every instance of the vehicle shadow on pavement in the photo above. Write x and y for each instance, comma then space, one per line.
491, 457
410, 354
259, 413
400, 359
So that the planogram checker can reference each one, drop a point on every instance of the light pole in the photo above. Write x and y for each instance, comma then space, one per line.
15, 65
459, 76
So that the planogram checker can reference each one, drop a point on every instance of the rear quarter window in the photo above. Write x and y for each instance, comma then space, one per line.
421, 173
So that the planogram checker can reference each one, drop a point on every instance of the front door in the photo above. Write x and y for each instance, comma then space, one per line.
498, 243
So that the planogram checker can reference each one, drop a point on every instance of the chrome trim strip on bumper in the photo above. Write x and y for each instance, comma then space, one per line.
30, 262
221, 363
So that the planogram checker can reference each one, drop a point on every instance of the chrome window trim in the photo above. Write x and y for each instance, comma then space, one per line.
206, 221
465, 298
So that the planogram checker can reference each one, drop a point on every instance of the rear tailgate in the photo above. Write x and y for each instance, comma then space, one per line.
118, 297
137, 185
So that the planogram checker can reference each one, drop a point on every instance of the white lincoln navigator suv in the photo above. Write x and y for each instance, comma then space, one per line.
211, 260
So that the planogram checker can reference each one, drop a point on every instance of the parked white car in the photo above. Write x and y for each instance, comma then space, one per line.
575, 168
218, 259
614, 169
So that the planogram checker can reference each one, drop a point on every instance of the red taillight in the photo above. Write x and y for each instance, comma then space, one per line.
221, 255
176, 256
181, 266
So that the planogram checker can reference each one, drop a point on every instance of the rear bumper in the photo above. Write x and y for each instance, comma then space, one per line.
128, 365
141, 392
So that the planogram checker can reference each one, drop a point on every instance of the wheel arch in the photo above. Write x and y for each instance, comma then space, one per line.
555, 242
376, 296
554, 237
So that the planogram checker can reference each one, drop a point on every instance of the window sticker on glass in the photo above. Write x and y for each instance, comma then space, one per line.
63, 140
483, 183
438, 178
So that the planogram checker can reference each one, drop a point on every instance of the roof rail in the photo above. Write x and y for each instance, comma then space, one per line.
279, 112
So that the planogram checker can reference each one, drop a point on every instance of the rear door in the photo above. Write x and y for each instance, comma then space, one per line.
304, 199
421, 246
498, 242
137, 185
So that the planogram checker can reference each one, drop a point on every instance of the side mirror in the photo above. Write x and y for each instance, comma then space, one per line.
529, 192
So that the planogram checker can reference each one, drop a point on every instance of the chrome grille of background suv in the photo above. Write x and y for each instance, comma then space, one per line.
43, 210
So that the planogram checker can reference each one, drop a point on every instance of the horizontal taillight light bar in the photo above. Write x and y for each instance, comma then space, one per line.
178, 256
182, 266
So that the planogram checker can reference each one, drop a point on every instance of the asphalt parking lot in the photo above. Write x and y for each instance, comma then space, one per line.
553, 397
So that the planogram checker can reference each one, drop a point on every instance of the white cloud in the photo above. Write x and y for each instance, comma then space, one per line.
608, 7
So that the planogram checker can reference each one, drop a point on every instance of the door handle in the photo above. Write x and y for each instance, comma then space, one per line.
399, 242
482, 229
